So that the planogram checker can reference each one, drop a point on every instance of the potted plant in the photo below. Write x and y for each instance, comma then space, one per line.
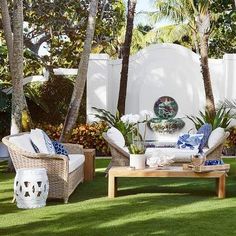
137, 154
137, 146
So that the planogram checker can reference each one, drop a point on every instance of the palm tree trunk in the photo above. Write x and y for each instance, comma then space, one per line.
210, 104
196, 45
126, 54
203, 23
6, 22
81, 78
17, 68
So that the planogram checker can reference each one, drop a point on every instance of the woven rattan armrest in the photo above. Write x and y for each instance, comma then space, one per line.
217, 148
47, 156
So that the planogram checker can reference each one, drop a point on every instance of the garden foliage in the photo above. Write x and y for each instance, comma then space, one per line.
221, 119
88, 135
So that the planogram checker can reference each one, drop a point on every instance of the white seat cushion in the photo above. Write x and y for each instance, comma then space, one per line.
23, 141
75, 161
42, 141
116, 136
180, 155
215, 136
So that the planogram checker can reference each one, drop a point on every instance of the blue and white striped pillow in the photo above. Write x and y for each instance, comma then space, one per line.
42, 141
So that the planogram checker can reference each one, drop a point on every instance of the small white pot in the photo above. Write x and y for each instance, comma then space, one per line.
137, 161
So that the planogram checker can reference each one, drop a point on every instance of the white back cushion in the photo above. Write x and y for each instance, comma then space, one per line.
116, 136
42, 141
215, 136
23, 141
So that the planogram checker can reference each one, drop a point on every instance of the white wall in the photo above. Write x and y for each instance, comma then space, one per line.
160, 70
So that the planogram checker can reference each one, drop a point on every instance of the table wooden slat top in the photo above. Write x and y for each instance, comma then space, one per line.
164, 172
170, 171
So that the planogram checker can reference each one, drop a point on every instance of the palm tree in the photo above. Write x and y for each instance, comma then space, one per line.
204, 28
6, 23
196, 15
126, 54
81, 78
17, 67
181, 14
14, 42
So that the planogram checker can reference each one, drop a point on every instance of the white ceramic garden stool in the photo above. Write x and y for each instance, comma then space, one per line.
31, 187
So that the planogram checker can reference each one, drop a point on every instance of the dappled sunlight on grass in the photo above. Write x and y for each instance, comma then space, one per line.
144, 207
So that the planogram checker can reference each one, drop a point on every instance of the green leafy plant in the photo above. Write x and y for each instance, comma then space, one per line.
5, 111
88, 135
115, 121
221, 119
231, 140
137, 147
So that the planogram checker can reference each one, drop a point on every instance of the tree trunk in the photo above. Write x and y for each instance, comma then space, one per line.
210, 104
126, 54
17, 68
203, 23
196, 45
81, 78
6, 22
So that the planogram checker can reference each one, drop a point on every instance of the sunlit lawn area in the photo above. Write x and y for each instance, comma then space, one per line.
144, 207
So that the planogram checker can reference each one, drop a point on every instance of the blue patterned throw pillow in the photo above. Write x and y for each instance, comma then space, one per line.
59, 148
206, 131
213, 162
189, 141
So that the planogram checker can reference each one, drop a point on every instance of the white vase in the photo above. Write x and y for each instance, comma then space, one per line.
137, 161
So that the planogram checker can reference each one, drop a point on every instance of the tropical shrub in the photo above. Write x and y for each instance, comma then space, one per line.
221, 119
5, 119
5, 112
128, 125
115, 121
88, 135
231, 140
55, 96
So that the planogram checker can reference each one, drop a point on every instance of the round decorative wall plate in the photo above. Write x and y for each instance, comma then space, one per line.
165, 108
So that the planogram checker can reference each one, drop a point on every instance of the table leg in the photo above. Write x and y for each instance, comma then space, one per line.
220, 185
112, 186
89, 164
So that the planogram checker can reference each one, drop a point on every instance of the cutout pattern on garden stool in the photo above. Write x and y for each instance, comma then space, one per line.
31, 188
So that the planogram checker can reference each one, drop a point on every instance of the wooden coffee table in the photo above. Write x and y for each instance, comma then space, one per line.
167, 172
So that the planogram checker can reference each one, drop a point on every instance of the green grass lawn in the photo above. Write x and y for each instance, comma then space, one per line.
145, 206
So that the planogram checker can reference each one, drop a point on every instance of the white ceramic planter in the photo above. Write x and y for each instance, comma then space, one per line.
137, 161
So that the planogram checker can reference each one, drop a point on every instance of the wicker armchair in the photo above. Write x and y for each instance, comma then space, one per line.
215, 152
61, 182
119, 156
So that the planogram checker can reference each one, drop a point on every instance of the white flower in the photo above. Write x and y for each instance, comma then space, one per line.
125, 118
146, 115
130, 118
135, 118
